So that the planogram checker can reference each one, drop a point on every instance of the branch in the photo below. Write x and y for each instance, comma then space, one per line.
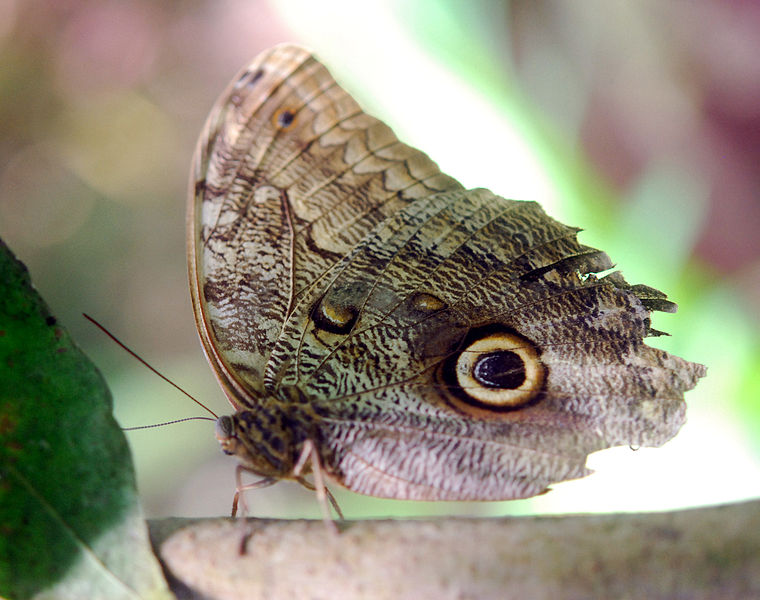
709, 552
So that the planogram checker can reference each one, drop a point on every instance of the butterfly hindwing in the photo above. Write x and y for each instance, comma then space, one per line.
395, 421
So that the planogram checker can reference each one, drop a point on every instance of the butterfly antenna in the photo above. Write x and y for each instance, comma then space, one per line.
166, 379
167, 423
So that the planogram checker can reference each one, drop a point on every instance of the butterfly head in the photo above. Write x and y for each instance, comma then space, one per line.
255, 440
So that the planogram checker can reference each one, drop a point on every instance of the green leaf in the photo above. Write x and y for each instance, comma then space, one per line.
70, 523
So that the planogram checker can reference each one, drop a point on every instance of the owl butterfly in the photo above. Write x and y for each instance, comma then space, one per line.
370, 319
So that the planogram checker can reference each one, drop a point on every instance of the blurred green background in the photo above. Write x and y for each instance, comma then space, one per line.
638, 121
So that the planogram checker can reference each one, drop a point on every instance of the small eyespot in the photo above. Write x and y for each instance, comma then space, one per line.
334, 317
284, 119
427, 302
496, 371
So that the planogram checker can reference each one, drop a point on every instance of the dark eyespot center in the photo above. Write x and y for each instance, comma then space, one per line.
285, 118
501, 369
496, 372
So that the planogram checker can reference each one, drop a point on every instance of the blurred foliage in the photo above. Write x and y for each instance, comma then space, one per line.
71, 523
101, 104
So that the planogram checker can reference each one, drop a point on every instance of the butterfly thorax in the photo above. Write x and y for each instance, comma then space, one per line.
266, 441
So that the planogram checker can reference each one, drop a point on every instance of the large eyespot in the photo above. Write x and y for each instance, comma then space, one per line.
496, 371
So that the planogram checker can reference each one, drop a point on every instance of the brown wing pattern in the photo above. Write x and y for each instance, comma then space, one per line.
432, 342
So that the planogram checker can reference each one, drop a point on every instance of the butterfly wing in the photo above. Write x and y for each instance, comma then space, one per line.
435, 343
289, 174
448, 280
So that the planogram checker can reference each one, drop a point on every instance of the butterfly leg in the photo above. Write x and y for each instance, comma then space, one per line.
240, 488
333, 502
309, 452
239, 495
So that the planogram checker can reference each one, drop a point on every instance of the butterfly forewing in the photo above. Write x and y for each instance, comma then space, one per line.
289, 175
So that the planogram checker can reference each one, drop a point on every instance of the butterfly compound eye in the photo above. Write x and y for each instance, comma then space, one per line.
498, 371
223, 427
225, 433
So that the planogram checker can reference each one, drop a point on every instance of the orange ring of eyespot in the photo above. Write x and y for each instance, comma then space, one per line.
494, 397
337, 315
333, 317
286, 114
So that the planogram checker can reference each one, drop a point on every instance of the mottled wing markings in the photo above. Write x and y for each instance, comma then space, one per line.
410, 284
307, 208
421, 281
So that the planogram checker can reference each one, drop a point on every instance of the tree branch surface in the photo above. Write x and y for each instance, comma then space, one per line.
700, 553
